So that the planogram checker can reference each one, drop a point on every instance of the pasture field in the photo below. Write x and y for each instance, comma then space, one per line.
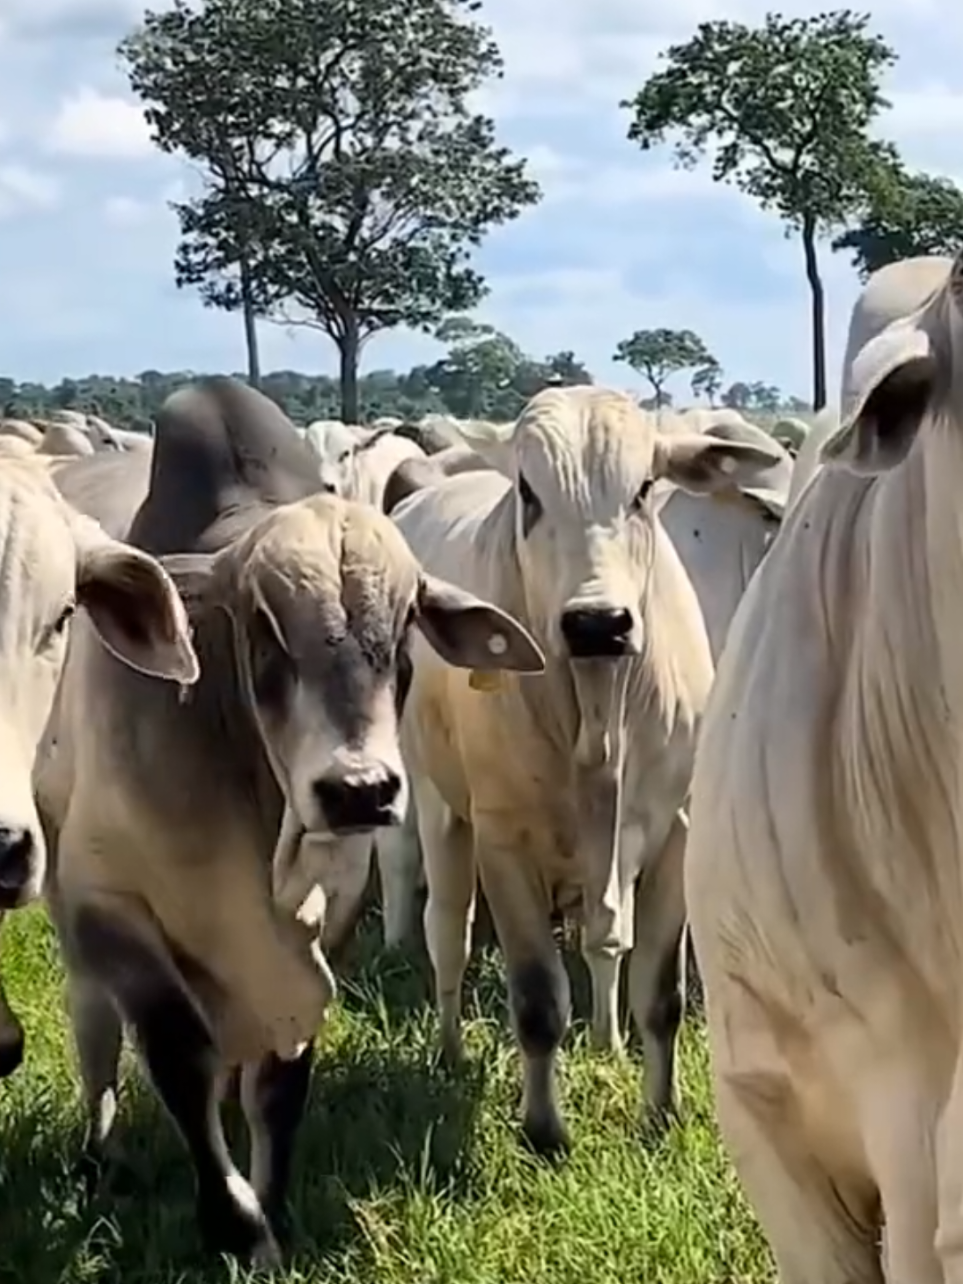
408, 1174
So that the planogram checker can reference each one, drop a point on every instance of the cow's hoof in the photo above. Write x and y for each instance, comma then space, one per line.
237, 1227
656, 1122
11, 1054
548, 1137
102, 1173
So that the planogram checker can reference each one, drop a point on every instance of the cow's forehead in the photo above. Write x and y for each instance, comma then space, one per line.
606, 436
38, 553
334, 552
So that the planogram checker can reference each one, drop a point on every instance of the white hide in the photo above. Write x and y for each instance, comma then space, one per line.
823, 872
356, 462
572, 784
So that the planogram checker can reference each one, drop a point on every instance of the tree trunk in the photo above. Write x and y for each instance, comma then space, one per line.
250, 327
818, 312
349, 349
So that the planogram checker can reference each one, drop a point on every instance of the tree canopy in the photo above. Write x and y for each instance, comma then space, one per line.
487, 376
133, 402
707, 380
344, 166
915, 214
658, 354
784, 109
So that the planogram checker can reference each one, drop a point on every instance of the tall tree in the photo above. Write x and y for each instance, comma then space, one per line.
917, 214
706, 381
659, 354
344, 165
785, 110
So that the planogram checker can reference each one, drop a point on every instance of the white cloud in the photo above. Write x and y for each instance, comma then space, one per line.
929, 109
89, 123
123, 211
24, 189
78, 17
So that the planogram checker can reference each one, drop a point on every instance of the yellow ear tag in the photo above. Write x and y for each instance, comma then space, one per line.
485, 679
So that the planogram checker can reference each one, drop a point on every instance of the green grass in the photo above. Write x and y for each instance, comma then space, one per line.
408, 1174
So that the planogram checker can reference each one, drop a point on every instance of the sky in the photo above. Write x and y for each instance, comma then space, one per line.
621, 241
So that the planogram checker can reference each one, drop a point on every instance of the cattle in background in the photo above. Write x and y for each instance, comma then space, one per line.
566, 791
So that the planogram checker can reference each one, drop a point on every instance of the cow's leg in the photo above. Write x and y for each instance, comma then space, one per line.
898, 1109
822, 1225
949, 1240
538, 988
605, 969
98, 1034
450, 908
122, 950
274, 1094
400, 869
815, 1198
11, 1035
656, 979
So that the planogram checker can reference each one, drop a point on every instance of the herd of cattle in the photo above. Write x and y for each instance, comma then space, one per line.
638, 669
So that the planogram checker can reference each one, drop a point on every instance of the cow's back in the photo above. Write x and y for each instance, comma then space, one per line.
109, 486
720, 544
458, 528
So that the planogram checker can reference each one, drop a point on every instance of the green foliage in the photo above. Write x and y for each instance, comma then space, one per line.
707, 380
785, 110
763, 397
786, 107
915, 214
658, 354
485, 374
343, 161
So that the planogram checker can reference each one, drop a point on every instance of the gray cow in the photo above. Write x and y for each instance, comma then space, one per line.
166, 822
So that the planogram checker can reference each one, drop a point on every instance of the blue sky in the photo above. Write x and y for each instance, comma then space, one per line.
620, 242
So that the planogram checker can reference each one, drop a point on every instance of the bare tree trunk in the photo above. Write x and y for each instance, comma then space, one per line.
250, 326
818, 312
349, 350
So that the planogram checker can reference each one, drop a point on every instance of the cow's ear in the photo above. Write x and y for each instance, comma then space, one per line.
472, 634
134, 607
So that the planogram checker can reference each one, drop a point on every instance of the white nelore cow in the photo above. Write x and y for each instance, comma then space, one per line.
53, 562
720, 539
563, 790
356, 462
824, 876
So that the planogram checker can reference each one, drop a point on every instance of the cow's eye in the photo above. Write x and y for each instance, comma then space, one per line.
645, 490
58, 627
271, 664
531, 507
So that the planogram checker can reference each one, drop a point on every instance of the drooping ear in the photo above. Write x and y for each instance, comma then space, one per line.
135, 608
702, 464
472, 634
889, 388
492, 442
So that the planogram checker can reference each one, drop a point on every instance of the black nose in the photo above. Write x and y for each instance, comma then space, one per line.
352, 805
16, 864
329, 488
592, 632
